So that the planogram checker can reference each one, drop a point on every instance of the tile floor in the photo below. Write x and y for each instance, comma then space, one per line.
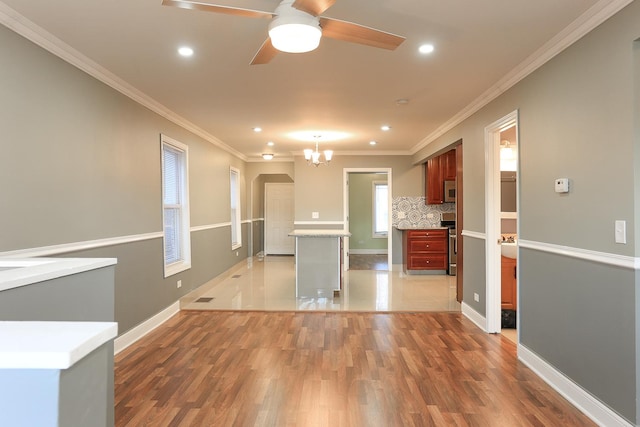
269, 284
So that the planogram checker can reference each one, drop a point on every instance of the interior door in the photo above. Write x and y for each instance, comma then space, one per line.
278, 219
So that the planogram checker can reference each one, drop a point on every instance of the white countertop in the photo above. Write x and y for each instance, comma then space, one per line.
50, 345
15, 272
319, 233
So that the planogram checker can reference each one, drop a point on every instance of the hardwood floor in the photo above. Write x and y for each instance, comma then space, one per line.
368, 262
223, 368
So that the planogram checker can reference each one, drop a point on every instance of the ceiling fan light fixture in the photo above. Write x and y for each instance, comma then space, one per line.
294, 37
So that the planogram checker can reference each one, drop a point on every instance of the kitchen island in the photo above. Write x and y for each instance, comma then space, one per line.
318, 257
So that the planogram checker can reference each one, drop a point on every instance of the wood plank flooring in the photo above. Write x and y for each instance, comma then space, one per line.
218, 368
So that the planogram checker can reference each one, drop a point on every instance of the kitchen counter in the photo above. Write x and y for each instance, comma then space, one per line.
57, 373
16, 272
318, 262
50, 345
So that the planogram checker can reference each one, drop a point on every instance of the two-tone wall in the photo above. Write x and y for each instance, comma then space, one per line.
578, 298
81, 176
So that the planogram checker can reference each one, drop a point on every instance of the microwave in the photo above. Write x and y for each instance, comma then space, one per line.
449, 192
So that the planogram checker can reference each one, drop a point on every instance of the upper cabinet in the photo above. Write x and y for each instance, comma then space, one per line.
434, 184
438, 170
448, 165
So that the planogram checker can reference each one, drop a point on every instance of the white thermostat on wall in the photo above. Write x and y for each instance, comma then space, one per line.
562, 185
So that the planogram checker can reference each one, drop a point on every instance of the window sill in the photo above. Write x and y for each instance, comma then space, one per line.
175, 268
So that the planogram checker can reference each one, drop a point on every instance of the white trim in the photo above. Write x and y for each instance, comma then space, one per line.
80, 246
32, 32
576, 395
132, 335
492, 217
345, 206
210, 226
235, 214
474, 234
601, 257
586, 22
474, 316
368, 251
509, 215
318, 222
183, 204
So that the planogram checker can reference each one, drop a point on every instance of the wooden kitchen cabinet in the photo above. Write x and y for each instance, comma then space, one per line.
438, 170
425, 249
509, 284
434, 184
448, 165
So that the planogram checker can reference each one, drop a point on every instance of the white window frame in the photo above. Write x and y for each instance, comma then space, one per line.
184, 260
374, 232
236, 223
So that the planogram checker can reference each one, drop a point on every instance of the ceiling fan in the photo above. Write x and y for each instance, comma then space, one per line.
296, 26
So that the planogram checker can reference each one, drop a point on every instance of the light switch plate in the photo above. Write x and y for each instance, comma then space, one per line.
621, 231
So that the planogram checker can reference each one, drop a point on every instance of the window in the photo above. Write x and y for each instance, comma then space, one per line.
380, 209
175, 206
236, 230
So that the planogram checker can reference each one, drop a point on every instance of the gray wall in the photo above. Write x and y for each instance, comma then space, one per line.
81, 162
327, 181
576, 120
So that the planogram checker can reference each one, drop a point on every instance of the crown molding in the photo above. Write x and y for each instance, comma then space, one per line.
32, 32
585, 23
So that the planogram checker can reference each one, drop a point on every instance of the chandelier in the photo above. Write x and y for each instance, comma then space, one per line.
314, 157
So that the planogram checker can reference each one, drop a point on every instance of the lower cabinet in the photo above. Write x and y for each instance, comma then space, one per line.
508, 284
425, 249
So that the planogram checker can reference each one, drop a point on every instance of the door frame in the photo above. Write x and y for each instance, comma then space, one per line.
493, 251
345, 204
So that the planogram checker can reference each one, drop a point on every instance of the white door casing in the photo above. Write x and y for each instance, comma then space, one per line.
279, 213
345, 204
492, 219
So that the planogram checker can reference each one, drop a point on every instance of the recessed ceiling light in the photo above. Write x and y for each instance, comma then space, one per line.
257, 129
185, 51
385, 127
372, 143
426, 48
271, 143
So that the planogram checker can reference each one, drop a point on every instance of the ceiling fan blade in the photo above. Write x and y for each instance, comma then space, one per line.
355, 33
313, 7
265, 54
196, 5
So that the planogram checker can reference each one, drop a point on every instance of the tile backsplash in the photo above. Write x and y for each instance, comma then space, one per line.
417, 213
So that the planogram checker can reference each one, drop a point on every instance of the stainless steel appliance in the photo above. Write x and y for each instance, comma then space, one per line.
448, 219
449, 192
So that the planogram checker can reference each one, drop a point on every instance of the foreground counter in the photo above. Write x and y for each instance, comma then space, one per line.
318, 262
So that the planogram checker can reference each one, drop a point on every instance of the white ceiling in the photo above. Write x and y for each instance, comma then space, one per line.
341, 86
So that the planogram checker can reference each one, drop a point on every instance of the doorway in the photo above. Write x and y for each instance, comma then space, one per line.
494, 133
279, 213
371, 233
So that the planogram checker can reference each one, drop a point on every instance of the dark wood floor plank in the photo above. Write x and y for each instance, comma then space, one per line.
213, 368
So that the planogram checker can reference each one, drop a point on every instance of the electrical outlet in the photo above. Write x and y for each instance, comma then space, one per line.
476, 297
179, 284
315, 215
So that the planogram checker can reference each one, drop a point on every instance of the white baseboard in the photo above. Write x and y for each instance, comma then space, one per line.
133, 335
474, 316
580, 398
368, 251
